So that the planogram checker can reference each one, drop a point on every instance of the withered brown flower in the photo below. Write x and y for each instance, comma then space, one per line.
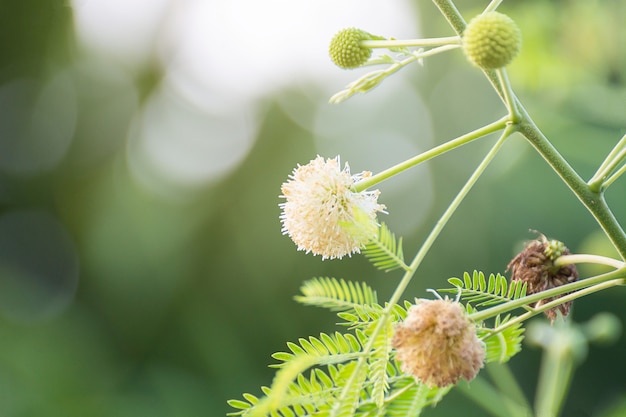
437, 343
535, 266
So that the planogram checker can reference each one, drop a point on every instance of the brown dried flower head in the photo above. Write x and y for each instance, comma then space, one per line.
535, 266
437, 343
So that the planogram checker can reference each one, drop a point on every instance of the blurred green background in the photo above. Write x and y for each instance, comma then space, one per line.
142, 267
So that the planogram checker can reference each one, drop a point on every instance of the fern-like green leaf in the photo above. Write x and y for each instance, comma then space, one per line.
336, 295
502, 346
406, 397
242, 406
277, 399
414, 400
484, 292
385, 252
379, 359
328, 376
352, 378
328, 349
304, 396
363, 316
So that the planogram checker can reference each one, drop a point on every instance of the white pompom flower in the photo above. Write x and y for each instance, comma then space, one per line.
322, 213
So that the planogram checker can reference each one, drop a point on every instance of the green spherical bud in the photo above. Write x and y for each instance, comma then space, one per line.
554, 249
346, 50
492, 40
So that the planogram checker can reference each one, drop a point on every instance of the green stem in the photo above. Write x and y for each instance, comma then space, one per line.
398, 43
613, 177
374, 78
609, 163
445, 217
593, 201
492, 400
408, 275
413, 56
596, 183
507, 384
554, 303
409, 163
451, 13
555, 374
587, 258
492, 6
509, 96
455, 19
616, 277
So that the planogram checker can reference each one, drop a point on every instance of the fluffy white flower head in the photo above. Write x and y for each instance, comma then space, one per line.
323, 215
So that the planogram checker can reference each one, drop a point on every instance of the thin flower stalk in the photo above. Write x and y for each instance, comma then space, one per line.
552, 304
616, 277
588, 258
611, 161
407, 43
593, 201
614, 177
408, 275
436, 151
492, 6
372, 79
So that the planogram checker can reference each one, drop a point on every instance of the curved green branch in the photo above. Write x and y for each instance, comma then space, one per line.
592, 199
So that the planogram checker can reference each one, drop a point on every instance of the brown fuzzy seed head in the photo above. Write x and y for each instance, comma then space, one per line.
437, 343
535, 266
491, 40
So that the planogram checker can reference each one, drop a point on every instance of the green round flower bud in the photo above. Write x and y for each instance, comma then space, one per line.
492, 40
554, 249
346, 50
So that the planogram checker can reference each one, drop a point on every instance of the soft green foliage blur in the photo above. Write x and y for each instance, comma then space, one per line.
161, 308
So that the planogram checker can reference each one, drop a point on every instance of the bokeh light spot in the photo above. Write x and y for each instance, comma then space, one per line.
36, 124
178, 145
39, 267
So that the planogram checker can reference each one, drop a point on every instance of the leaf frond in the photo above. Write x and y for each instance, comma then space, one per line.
486, 292
329, 376
385, 252
503, 345
406, 397
327, 349
363, 316
336, 294
347, 402
379, 360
